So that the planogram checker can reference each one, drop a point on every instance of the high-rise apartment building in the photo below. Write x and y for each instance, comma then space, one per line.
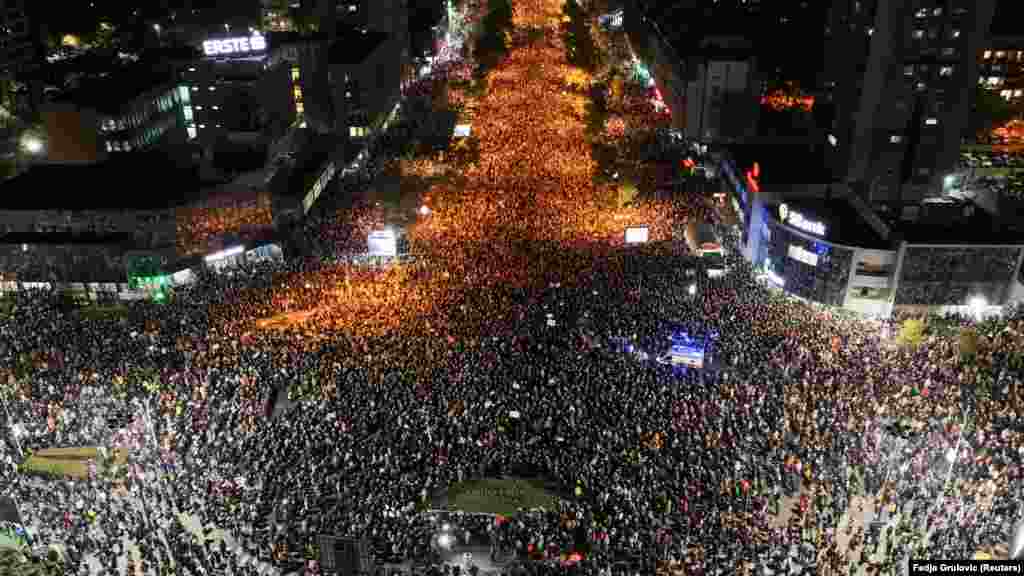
1001, 67
899, 76
17, 40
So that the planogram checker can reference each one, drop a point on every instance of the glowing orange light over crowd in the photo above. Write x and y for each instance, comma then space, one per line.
778, 100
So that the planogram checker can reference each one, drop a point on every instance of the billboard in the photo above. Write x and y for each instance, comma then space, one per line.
687, 350
462, 130
382, 243
229, 46
637, 234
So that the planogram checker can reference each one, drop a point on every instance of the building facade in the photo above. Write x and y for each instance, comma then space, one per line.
18, 41
244, 87
105, 116
899, 77
795, 246
1001, 67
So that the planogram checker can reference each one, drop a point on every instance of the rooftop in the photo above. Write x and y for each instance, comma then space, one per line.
299, 177
354, 47
843, 224
977, 228
110, 92
783, 163
138, 180
121, 239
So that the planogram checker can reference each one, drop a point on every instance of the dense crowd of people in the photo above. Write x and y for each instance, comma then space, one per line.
494, 355
206, 222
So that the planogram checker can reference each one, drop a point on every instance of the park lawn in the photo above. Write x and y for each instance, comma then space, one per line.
71, 468
68, 461
499, 496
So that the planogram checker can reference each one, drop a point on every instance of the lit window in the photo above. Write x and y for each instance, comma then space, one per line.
1000, 54
871, 31
195, 88
357, 131
199, 107
948, 51
946, 71
352, 7
922, 13
931, 121
955, 33
299, 108
216, 107
191, 69
348, 94
110, 147
921, 86
918, 34
895, 139
212, 88
908, 70
191, 132
994, 81
987, 55
1006, 94
295, 73
937, 11
202, 126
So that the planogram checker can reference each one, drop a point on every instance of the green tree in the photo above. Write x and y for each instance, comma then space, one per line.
911, 333
581, 50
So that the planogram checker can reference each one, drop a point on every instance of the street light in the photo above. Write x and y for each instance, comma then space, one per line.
977, 304
32, 144
424, 210
1016, 544
693, 289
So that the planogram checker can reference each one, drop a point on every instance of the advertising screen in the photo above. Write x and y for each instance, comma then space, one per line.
637, 234
382, 243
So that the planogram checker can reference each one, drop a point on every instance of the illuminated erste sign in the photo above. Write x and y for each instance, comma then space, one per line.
254, 43
801, 254
798, 221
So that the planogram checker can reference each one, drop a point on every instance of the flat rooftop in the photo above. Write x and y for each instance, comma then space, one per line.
978, 228
124, 240
110, 92
783, 163
354, 47
137, 180
843, 224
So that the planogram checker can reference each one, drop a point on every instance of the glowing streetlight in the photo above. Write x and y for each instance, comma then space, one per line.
32, 144
424, 210
977, 304
156, 28
693, 289
951, 455
1016, 544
